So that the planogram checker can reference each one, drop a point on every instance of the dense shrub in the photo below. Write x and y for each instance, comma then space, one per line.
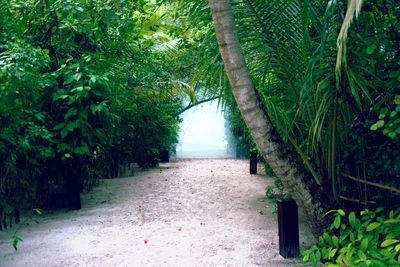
371, 238
83, 90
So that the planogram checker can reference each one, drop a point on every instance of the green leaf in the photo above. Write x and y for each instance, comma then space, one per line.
15, 239
364, 244
389, 242
313, 259
327, 238
377, 263
38, 211
377, 125
397, 99
392, 221
335, 241
352, 219
361, 255
373, 226
332, 253
341, 212
59, 126
71, 112
64, 132
82, 150
336, 222
370, 49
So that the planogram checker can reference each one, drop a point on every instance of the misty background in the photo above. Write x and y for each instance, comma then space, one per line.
203, 133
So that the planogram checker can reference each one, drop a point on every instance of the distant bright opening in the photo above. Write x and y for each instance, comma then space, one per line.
203, 133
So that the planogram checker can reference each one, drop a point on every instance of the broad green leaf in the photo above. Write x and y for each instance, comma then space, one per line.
352, 219
335, 241
341, 212
389, 242
336, 222
364, 244
377, 125
332, 253
392, 221
71, 112
397, 99
373, 226
327, 238
82, 150
378, 263
59, 126
361, 255
370, 49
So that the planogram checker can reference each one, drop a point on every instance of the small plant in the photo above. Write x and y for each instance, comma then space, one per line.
275, 192
269, 192
275, 209
389, 119
372, 239
15, 238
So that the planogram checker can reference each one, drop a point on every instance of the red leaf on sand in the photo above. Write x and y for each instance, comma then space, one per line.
146, 241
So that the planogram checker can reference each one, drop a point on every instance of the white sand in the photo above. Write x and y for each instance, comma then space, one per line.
204, 212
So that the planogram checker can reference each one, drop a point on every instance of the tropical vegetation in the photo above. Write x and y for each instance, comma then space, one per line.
89, 86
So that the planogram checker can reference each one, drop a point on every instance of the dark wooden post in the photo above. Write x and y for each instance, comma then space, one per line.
164, 156
253, 163
73, 192
288, 222
72, 183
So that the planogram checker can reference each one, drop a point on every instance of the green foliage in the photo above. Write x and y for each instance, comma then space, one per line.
389, 119
15, 239
371, 238
237, 131
276, 192
269, 192
85, 87
337, 122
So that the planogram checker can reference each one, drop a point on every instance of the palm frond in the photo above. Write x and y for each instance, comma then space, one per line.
353, 9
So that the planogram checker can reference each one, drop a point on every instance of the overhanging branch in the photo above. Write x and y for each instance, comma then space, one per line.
191, 104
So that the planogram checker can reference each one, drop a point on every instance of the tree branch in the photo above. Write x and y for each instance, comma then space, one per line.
356, 200
386, 187
191, 105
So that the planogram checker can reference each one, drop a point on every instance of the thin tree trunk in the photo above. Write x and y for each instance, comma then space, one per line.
310, 197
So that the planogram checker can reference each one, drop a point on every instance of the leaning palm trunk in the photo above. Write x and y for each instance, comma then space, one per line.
310, 197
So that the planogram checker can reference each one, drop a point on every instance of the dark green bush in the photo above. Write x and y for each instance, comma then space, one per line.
82, 91
371, 238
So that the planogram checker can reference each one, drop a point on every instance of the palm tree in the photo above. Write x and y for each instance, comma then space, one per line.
310, 198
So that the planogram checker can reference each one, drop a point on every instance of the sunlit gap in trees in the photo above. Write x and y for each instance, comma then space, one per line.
203, 133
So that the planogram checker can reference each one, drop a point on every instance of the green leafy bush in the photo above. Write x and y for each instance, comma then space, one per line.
389, 119
83, 89
370, 239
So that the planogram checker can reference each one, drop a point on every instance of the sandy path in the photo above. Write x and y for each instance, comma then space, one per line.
185, 213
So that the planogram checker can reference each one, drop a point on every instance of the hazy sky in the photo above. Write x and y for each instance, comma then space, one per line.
202, 129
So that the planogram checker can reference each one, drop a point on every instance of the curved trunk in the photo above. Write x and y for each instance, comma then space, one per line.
310, 197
